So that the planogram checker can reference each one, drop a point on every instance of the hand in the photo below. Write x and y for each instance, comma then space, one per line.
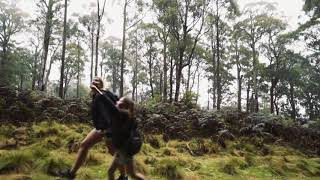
94, 88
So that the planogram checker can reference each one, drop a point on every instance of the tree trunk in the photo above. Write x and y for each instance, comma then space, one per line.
78, 69
214, 72
165, 69
272, 96
135, 70
239, 76
198, 88
150, 74
248, 97
255, 80
34, 69
276, 105
46, 41
92, 52
48, 74
61, 93
188, 77
178, 81
123, 47
171, 80
114, 78
49, 69
292, 102
179, 67
239, 91
219, 88
21, 82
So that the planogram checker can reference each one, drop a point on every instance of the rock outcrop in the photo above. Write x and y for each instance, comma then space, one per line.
174, 121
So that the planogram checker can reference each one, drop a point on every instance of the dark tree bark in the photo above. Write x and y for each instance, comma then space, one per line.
99, 18
214, 72
78, 68
123, 47
61, 92
35, 68
239, 76
150, 74
274, 83
292, 101
248, 105
171, 80
50, 66
219, 88
46, 41
92, 53
165, 69
182, 41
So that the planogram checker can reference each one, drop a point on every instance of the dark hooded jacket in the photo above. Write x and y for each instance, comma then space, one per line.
101, 111
121, 124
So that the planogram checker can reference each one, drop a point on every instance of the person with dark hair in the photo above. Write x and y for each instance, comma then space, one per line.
102, 122
125, 137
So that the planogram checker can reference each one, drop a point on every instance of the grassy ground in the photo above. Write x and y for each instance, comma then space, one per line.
43, 149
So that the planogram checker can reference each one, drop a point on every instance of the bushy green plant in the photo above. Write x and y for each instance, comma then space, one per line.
93, 160
155, 141
169, 169
230, 167
189, 98
250, 160
52, 164
16, 161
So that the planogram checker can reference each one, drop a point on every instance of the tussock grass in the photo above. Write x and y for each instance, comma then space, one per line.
17, 161
93, 159
243, 158
232, 165
155, 141
52, 164
169, 169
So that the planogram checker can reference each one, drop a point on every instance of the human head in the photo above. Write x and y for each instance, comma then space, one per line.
126, 104
98, 82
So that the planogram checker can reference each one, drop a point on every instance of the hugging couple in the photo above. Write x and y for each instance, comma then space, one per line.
114, 120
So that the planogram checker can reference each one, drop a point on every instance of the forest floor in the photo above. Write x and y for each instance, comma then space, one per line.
35, 151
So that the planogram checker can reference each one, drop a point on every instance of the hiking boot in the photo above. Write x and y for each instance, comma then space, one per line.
66, 174
122, 177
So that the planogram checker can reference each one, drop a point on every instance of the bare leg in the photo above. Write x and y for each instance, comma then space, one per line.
92, 138
111, 151
131, 171
122, 170
113, 167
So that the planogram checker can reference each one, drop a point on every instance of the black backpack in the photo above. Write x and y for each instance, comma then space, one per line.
134, 142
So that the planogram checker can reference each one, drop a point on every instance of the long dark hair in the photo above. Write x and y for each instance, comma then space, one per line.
130, 107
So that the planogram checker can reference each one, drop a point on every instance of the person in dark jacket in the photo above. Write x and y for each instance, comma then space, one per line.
122, 125
102, 122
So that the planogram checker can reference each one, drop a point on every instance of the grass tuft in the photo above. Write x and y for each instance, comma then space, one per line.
155, 141
16, 161
169, 169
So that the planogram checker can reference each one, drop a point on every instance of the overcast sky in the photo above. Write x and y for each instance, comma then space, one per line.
291, 10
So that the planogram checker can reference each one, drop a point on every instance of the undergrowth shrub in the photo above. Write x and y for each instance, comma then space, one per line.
169, 169
190, 98
150, 160
53, 164
52, 143
16, 161
93, 160
155, 141
250, 160
230, 167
